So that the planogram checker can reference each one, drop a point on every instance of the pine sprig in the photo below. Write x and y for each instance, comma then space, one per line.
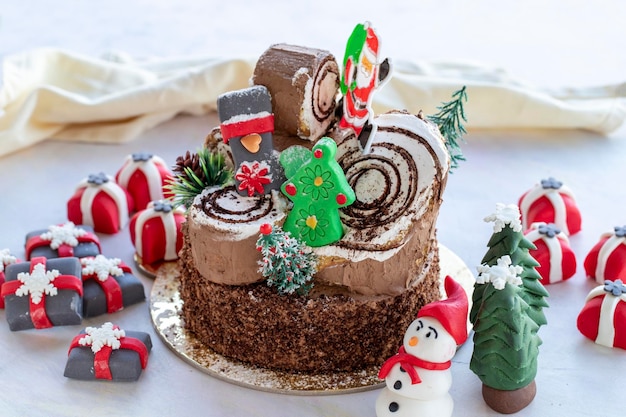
287, 264
195, 172
450, 119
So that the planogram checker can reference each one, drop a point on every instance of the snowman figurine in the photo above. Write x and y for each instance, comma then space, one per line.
418, 377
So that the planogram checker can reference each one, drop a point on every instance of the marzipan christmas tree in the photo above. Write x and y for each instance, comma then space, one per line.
507, 313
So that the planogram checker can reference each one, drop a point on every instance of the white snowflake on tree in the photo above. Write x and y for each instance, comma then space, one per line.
63, 234
505, 214
37, 283
500, 274
102, 267
105, 335
6, 259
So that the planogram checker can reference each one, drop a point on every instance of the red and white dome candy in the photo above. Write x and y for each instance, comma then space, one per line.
101, 203
143, 175
607, 259
156, 232
557, 261
603, 318
551, 201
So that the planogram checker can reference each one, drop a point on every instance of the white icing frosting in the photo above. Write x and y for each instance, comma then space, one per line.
500, 274
105, 335
112, 190
102, 267
150, 169
606, 324
169, 225
64, 234
612, 243
555, 197
245, 117
505, 214
554, 248
37, 283
6, 258
232, 201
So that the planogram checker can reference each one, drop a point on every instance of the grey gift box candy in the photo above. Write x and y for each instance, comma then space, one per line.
82, 250
125, 364
63, 309
94, 298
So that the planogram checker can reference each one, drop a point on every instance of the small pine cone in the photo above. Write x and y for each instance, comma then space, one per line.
189, 160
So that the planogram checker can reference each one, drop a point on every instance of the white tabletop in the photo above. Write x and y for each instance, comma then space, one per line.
554, 44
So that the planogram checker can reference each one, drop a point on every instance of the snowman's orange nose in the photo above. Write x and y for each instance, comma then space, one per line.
413, 341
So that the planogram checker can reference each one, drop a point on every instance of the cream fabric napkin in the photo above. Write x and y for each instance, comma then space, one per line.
49, 93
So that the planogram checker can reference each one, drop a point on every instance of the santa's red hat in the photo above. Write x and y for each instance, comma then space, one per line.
371, 41
451, 312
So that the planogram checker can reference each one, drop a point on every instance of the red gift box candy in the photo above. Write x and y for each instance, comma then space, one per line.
6, 259
143, 175
550, 202
557, 261
607, 259
99, 202
156, 232
603, 318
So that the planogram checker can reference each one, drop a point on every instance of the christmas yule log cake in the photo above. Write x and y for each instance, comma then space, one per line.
296, 299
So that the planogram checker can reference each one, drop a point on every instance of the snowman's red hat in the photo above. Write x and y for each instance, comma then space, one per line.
451, 312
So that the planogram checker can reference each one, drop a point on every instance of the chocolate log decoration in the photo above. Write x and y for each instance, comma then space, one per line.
303, 83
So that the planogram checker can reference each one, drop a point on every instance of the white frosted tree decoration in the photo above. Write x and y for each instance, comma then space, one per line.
506, 214
500, 274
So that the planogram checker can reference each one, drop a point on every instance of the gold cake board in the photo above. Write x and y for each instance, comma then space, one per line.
165, 308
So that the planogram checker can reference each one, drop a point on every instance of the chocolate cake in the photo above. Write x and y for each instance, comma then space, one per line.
368, 285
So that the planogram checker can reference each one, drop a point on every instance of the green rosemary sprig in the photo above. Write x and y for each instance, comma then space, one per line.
450, 119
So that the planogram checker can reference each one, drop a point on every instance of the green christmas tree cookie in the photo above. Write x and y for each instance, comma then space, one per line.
318, 188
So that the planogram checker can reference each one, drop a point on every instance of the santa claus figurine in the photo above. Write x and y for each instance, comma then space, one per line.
418, 377
363, 73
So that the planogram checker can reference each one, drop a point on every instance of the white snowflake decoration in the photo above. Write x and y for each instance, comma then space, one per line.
500, 274
105, 335
505, 214
102, 267
37, 283
64, 234
6, 259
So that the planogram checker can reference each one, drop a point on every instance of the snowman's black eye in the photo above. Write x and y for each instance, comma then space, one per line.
431, 332
420, 325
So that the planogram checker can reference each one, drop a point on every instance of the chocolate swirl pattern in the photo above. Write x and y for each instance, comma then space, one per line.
324, 89
227, 206
384, 184
391, 190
